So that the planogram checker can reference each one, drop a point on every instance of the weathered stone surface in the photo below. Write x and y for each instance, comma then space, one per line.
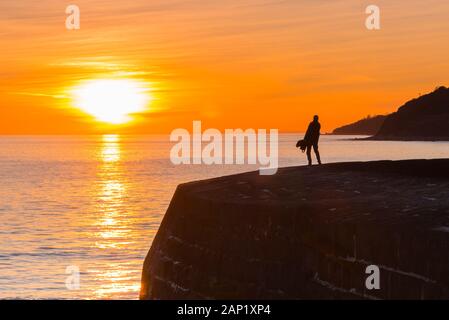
306, 233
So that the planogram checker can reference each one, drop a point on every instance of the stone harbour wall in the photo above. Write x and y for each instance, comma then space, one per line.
254, 237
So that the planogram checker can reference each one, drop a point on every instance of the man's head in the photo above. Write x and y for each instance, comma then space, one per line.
315, 118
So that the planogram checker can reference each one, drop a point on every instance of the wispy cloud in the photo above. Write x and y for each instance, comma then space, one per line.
36, 94
241, 58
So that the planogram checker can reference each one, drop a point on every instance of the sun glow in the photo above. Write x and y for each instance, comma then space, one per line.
112, 101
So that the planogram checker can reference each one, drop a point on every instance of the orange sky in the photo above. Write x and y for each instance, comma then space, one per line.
242, 63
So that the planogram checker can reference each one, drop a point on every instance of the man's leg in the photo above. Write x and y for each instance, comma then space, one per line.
317, 153
309, 156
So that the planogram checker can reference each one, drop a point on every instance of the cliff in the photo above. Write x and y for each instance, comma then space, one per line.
306, 233
424, 118
368, 126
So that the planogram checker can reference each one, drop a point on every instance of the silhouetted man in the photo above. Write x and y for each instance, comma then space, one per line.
312, 137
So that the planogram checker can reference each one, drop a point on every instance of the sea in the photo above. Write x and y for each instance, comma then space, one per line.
79, 213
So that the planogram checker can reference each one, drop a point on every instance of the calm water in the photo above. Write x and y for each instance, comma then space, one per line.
96, 202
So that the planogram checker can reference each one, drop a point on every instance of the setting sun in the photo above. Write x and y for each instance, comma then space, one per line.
111, 100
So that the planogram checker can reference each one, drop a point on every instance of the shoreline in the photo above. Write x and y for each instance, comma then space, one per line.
416, 139
397, 138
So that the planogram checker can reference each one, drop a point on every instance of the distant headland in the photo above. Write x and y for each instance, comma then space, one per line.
368, 126
422, 119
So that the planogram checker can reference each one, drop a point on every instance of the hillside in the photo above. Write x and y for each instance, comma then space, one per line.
368, 126
423, 118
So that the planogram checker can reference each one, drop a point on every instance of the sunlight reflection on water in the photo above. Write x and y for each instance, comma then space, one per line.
113, 223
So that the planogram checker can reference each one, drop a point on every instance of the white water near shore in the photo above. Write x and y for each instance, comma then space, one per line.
96, 202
